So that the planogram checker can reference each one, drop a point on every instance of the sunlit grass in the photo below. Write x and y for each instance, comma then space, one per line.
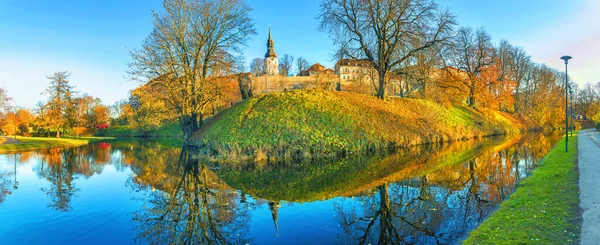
543, 210
32, 143
317, 122
166, 130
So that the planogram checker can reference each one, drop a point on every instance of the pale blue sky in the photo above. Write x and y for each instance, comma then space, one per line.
91, 38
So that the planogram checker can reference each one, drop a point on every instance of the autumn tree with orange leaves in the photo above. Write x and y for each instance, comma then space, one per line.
190, 43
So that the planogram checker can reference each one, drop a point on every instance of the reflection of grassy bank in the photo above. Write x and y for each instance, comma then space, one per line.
312, 180
317, 123
34, 143
544, 210
164, 142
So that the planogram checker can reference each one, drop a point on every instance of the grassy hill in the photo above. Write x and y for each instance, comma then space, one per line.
316, 123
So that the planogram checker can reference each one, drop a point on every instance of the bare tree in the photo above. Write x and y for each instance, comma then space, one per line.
301, 64
190, 43
521, 64
586, 99
257, 67
4, 99
419, 69
382, 31
472, 51
243, 78
285, 65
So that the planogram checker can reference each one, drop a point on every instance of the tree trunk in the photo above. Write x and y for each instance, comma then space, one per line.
189, 125
245, 84
472, 96
381, 88
58, 133
516, 102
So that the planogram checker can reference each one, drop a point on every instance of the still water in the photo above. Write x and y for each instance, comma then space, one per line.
148, 192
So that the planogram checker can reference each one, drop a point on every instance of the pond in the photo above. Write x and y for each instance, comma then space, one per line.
148, 192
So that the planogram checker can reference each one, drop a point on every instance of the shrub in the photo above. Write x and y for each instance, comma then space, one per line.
23, 129
79, 130
102, 126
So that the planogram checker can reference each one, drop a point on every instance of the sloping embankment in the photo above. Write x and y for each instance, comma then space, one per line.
315, 123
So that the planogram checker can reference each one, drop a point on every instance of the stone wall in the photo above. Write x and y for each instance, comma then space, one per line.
253, 85
269, 84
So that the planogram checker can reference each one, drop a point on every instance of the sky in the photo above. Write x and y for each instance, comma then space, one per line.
92, 39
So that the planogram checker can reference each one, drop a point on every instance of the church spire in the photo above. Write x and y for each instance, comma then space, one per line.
274, 207
271, 63
270, 46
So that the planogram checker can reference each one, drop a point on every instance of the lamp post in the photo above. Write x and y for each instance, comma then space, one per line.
572, 109
566, 58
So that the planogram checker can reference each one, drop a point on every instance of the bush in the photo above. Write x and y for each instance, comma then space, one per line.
23, 129
78, 131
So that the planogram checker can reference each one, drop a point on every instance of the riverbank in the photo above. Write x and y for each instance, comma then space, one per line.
544, 209
34, 143
314, 123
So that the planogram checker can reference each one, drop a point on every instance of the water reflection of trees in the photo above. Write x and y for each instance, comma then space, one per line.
423, 195
439, 207
63, 166
192, 206
8, 180
320, 180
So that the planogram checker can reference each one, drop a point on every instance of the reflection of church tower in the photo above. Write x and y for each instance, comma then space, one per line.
274, 207
271, 63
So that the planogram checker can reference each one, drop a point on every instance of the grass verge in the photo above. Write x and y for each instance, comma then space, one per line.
34, 143
543, 210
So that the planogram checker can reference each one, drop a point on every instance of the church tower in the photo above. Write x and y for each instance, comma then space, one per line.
271, 63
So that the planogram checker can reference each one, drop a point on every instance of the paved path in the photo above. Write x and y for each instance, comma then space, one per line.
9, 140
589, 184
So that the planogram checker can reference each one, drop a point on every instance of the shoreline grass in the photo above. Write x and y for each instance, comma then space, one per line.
163, 131
545, 207
36, 143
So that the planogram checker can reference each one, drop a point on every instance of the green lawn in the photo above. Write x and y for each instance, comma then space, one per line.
32, 143
543, 210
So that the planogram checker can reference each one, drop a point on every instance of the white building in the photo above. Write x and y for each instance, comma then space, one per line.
271, 62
